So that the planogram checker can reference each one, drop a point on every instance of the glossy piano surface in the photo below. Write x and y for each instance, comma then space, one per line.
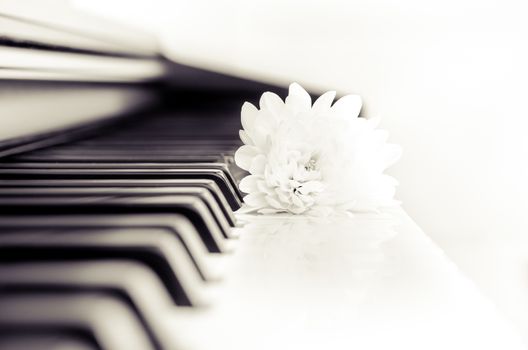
373, 281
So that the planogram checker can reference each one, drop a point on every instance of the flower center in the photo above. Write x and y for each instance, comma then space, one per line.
311, 165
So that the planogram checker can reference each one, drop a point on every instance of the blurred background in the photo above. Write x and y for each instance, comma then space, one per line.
447, 78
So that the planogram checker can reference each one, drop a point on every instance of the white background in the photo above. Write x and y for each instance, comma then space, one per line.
448, 78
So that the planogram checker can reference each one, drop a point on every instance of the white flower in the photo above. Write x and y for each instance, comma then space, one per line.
313, 158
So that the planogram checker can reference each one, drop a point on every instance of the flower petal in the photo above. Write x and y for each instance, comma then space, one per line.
297, 201
380, 136
274, 202
244, 155
374, 122
248, 116
297, 210
261, 131
249, 184
269, 211
283, 197
311, 186
348, 106
262, 187
324, 102
256, 200
245, 137
307, 200
272, 102
258, 164
298, 99
391, 154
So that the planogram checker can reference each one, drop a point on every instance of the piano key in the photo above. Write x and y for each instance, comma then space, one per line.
111, 322
160, 141
127, 280
157, 249
192, 152
160, 184
229, 189
192, 207
80, 164
119, 164
202, 193
210, 265
10, 340
198, 151
195, 123
170, 158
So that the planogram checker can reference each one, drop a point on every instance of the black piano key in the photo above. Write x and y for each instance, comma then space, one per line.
209, 265
162, 143
127, 280
199, 192
157, 249
112, 158
71, 152
119, 164
229, 189
135, 184
190, 206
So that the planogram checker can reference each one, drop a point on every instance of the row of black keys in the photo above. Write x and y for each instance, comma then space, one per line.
110, 231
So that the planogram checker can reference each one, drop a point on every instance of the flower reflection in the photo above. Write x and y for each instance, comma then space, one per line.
312, 260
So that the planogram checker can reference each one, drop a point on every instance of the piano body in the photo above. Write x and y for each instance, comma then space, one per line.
118, 228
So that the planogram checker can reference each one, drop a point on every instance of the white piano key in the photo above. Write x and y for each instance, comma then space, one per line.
200, 192
219, 176
134, 280
107, 243
190, 206
198, 206
211, 265
112, 323
51, 341
126, 183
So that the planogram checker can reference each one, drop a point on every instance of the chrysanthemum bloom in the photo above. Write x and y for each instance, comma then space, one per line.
315, 158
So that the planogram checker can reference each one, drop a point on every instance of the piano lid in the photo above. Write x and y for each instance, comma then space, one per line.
62, 69
59, 24
52, 40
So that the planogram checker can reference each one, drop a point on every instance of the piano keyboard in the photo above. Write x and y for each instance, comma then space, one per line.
98, 234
